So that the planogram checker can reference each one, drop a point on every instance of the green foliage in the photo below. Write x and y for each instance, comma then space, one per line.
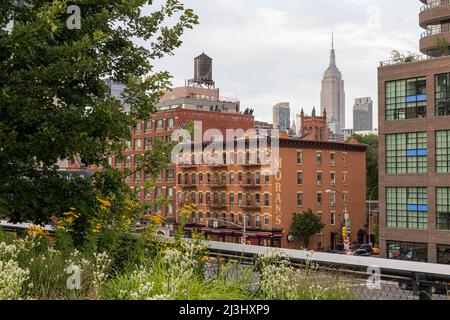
52, 99
371, 163
305, 225
442, 46
398, 57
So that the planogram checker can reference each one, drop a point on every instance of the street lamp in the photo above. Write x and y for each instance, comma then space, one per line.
370, 213
244, 233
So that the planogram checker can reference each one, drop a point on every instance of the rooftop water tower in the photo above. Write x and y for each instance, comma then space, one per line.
202, 72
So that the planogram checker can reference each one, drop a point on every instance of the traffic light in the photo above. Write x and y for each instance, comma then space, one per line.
344, 232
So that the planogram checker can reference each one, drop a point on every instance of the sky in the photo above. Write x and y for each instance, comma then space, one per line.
270, 51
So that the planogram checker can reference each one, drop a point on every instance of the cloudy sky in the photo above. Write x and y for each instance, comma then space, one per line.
268, 51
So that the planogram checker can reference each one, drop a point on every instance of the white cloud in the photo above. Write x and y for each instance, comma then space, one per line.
266, 51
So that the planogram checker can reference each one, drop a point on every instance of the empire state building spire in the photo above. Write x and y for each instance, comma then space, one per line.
333, 53
333, 94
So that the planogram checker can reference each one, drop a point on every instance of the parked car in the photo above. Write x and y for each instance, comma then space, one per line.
361, 252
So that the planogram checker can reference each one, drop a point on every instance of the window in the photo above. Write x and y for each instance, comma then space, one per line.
319, 199
249, 178
240, 177
407, 251
128, 161
266, 178
407, 208
231, 177
299, 157
148, 143
240, 158
240, 199
333, 198
200, 178
138, 127
443, 151
258, 199
443, 208
148, 125
333, 178
333, 158
200, 217
266, 157
223, 198
257, 221
442, 94
299, 178
232, 198
266, 200
406, 153
443, 254
406, 99
333, 218
180, 179
170, 123
137, 177
159, 124
137, 144
266, 222
200, 198
170, 175
258, 178
299, 199
208, 178
319, 178
231, 157
319, 158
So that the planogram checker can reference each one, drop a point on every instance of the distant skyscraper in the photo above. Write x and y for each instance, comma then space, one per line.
363, 114
115, 89
333, 94
282, 116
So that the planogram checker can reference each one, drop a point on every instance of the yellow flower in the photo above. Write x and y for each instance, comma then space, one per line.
35, 231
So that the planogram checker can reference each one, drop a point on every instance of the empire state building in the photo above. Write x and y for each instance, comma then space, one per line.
333, 95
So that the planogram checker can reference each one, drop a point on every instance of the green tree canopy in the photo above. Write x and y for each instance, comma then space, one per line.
52, 96
305, 225
371, 163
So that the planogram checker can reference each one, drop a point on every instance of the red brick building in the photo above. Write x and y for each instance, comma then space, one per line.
233, 191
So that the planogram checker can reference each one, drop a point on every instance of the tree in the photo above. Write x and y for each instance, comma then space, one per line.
52, 97
442, 46
305, 225
371, 162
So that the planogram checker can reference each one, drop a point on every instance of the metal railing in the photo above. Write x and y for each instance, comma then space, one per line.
399, 280
433, 5
409, 59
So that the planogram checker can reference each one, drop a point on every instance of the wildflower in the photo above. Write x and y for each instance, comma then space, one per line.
35, 231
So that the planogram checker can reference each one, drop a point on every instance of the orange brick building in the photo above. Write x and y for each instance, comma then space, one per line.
311, 175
